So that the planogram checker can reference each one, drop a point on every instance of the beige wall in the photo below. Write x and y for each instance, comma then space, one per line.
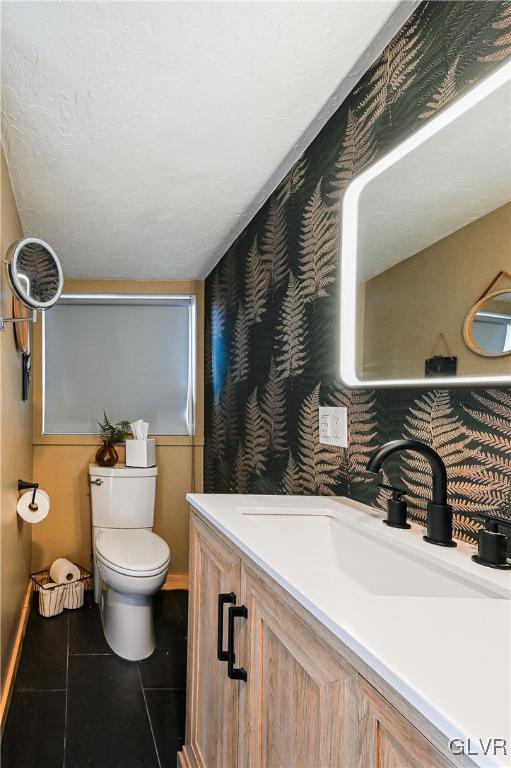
60, 462
409, 305
15, 446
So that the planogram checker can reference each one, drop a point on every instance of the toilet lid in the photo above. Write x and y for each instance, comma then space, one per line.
139, 551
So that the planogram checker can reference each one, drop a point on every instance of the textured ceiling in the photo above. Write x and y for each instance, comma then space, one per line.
141, 137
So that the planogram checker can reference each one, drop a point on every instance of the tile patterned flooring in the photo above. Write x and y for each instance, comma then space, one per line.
76, 704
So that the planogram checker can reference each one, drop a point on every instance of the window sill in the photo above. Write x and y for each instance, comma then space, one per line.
175, 440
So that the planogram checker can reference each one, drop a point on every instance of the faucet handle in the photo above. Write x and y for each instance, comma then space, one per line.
396, 507
492, 545
491, 522
397, 493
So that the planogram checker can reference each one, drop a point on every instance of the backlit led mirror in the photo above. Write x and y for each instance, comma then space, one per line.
425, 230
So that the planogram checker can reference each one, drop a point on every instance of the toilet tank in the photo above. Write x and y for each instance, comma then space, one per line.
122, 497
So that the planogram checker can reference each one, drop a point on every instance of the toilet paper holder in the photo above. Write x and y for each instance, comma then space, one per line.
23, 485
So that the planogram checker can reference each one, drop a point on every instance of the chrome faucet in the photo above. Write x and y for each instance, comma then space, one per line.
439, 512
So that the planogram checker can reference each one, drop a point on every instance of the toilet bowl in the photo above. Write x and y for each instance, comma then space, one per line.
133, 565
130, 561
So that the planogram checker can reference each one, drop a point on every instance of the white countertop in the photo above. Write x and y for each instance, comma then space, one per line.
429, 621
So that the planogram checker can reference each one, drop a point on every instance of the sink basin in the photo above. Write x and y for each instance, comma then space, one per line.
347, 548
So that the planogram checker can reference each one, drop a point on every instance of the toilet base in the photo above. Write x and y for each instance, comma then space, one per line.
128, 624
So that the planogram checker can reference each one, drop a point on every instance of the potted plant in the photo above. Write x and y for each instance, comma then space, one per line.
110, 434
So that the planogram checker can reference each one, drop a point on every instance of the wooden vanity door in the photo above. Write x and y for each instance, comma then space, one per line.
388, 740
298, 707
212, 698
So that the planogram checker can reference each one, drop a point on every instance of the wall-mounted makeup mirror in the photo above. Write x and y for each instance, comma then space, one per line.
35, 276
36, 280
424, 230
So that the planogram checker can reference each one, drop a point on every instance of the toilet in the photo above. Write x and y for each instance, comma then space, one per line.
130, 561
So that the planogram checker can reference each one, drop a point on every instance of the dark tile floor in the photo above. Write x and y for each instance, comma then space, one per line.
76, 704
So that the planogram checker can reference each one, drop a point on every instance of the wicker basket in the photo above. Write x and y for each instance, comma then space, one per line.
54, 598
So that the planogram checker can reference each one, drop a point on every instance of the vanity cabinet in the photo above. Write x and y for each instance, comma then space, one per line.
299, 704
212, 699
303, 703
388, 740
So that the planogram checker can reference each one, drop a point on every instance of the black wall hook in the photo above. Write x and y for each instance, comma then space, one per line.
23, 485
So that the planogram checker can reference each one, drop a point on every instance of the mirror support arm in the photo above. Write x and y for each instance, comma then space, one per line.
4, 320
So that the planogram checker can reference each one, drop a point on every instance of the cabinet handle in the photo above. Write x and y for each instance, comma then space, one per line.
223, 598
235, 673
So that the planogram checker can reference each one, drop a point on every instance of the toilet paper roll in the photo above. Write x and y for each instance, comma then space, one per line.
63, 571
42, 501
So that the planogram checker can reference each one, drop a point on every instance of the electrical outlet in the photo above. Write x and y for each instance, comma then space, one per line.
333, 426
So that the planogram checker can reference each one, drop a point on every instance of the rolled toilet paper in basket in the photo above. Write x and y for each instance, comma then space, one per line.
51, 599
63, 571
74, 594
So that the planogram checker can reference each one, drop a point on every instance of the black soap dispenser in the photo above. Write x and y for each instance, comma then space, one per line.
492, 545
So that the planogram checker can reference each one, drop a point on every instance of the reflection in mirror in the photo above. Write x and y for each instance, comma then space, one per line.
425, 229
34, 273
488, 325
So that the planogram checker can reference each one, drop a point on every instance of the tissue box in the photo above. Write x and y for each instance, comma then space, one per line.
140, 453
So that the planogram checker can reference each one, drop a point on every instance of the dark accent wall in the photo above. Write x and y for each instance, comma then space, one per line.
272, 304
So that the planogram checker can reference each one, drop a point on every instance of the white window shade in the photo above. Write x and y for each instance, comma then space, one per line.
130, 356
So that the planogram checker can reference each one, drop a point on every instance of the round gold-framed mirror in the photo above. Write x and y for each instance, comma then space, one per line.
487, 326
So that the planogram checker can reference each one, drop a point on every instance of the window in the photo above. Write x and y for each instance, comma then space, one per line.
131, 355
492, 332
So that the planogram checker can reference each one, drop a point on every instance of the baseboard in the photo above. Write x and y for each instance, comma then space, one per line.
15, 657
176, 581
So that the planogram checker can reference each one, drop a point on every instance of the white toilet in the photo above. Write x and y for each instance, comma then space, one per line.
130, 561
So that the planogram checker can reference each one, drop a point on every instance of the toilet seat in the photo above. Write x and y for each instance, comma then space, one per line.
137, 553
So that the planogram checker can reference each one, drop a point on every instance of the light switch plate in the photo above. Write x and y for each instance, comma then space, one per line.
333, 426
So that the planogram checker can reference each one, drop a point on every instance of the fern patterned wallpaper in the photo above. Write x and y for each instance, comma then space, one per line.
272, 337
